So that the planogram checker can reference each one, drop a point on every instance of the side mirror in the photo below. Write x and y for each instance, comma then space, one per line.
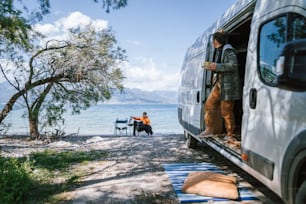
291, 66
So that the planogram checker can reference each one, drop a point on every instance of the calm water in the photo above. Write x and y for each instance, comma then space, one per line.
100, 119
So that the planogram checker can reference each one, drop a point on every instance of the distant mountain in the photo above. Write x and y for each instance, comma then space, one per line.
135, 96
129, 96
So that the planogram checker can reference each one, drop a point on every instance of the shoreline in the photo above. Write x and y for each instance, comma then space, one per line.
93, 135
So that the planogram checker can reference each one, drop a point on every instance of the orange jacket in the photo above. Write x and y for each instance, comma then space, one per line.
146, 121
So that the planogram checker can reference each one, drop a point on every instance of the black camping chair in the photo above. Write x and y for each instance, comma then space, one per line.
121, 127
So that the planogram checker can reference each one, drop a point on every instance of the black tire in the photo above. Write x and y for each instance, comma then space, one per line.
301, 194
295, 177
191, 142
185, 135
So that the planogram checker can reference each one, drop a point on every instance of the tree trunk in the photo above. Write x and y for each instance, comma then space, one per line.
33, 124
34, 112
9, 105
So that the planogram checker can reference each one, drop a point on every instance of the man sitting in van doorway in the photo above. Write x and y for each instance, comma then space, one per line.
226, 85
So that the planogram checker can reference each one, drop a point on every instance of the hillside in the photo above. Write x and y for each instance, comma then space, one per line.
129, 96
136, 96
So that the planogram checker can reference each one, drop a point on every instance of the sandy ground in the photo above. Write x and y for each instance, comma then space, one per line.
133, 172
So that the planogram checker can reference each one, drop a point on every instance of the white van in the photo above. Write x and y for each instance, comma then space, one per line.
270, 40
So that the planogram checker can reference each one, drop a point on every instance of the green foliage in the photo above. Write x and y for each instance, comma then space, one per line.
13, 26
81, 71
33, 179
15, 23
15, 182
53, 160
114, 4
54, 114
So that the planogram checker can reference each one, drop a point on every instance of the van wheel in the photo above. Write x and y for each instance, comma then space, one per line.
301, 194
191, 142
185, 135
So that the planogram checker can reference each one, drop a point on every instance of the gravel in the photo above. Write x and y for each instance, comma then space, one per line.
132, 172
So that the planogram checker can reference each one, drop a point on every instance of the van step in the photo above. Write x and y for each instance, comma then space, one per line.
232, 144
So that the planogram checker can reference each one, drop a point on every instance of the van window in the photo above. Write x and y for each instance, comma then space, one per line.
273, 35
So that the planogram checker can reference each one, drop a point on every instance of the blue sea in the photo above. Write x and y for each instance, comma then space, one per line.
100, 119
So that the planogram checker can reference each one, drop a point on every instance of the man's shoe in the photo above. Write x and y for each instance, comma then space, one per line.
232, 141
228, 137
206, 133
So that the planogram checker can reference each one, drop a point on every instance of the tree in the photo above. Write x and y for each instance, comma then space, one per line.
15, 23
17, 36
78, 72
114, 4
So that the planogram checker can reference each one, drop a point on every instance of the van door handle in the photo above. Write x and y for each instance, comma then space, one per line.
253, 98
198, 96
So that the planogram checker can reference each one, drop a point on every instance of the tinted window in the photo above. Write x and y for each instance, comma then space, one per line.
273, 35
299, 72
297, 27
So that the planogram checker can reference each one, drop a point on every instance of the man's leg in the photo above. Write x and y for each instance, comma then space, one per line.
227, 111
211, 109
150, 130
134, 127
146, 129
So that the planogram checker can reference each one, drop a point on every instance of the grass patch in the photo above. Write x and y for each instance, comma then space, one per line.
15, 181
41, 176
52, 160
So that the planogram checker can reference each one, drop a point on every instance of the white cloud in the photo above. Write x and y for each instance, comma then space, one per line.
46, 29
142, 73
145, 74
60, 28
74, 20
100, 24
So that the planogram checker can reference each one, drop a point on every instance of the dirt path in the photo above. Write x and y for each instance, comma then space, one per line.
133, 172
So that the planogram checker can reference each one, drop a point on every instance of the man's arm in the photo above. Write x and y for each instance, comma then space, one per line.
230, 62
135, 118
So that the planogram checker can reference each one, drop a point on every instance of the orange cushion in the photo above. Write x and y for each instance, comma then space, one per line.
211, 184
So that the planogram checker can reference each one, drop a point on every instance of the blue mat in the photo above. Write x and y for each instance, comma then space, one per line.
178, 173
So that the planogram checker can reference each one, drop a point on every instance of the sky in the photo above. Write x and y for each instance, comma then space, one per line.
155, 33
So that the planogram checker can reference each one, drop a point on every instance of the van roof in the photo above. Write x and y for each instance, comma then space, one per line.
200, 44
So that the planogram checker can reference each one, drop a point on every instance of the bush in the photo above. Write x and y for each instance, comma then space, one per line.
31, 179
15, 182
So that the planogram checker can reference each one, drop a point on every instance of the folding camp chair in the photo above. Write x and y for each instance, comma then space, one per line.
121, 127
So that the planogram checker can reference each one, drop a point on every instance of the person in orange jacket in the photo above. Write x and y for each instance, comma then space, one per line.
143, 124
